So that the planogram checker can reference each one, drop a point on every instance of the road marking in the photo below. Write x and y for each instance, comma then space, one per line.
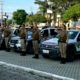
35, 71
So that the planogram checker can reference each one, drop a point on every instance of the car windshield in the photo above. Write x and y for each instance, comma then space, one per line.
72, 34
45, 33
53, 32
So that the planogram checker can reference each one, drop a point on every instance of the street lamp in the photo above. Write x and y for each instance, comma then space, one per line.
5, 17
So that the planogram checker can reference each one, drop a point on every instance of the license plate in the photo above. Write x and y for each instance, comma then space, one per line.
11, 45
46, 51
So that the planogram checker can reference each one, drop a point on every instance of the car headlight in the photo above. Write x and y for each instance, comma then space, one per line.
19, 41
56, 46
18, 45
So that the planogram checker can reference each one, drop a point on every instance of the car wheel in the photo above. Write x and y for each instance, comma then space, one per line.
71, 50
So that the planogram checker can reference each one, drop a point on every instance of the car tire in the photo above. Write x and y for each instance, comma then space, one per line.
71, 50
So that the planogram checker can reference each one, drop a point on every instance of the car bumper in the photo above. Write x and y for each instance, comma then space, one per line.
50, 52
15, 47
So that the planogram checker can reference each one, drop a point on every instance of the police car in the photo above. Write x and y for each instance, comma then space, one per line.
51, 48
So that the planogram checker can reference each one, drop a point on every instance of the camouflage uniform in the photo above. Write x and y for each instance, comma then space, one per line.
23, 38
7, 33
62, 44
36, 38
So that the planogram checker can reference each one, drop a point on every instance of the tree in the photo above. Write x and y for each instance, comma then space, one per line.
42, 5
19, 16
30, 19
58, 5
72, 13
9, 21
38, 18
62, 5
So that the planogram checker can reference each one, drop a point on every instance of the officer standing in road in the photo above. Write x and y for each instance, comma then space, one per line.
22, 33
36, 39
1, 38
7, 36
62, 43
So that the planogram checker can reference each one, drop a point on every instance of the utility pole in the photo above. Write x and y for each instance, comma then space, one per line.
1, 5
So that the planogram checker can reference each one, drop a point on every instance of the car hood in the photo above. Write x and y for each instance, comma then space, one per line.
70, 41
54, 41
51, 41
15, 38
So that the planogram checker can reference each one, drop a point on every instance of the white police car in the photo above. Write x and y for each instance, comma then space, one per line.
51, 48
15, 43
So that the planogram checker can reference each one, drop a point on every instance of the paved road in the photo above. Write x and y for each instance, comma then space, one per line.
8, 73
71, 70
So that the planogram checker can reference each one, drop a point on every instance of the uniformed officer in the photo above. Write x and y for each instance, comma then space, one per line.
7, 36
62, 43
36, 39
22, 33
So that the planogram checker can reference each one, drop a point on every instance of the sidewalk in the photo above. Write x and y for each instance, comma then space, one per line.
70, 70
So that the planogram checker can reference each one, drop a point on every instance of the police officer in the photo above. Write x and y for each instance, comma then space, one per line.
36, 39
62, 43
22, 33
7, 36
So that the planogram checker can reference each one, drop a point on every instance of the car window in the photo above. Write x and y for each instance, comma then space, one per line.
45, 33
78, 39
72, 34
12, 32
53, 32
16, 32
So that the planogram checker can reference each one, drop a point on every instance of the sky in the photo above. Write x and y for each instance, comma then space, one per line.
9, 6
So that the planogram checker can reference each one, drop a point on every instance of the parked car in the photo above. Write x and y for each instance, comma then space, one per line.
51, 48
15, 43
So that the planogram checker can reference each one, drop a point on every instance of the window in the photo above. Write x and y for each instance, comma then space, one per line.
72, 34
53, 32
78, 39
45, 33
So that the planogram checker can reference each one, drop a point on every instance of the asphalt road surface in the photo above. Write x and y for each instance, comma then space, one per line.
69, 70
12, 74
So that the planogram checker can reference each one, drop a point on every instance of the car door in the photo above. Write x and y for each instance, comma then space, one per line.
78, 43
